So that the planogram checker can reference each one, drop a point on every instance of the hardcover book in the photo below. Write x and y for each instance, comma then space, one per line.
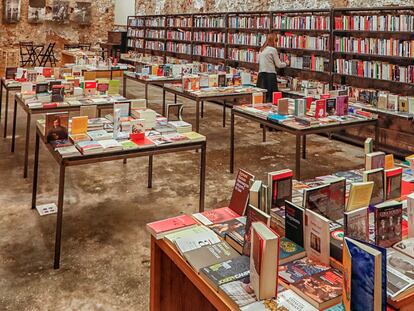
294, 223
377, 177
226, 271
300, 107
406, 247
322, 290
162, 227
240, 194
280, 187
317, 243
238, 293
296, 270
252, 215
393, 183
56, 127
223, 228
374, 160
359, 195
388, 223
356, 224
215, 216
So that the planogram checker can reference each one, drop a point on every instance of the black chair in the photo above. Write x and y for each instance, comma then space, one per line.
48, 55
27, 58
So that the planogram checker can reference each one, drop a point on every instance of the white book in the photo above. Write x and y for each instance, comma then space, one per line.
110, 145
410, 213
189, 243
317, 237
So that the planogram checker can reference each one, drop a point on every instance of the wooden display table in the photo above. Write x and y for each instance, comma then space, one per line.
148, 151
69, 57
227, 98
299, 133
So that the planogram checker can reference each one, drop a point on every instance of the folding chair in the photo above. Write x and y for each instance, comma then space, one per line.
26, 53
48, 56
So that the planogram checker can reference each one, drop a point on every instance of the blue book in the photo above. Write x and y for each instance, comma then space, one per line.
278, 118
290, 251
338, 307
366, 272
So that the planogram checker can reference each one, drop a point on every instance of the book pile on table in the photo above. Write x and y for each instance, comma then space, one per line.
336, 240
115, 132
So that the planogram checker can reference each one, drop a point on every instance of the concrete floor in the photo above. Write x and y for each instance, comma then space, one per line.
105, 248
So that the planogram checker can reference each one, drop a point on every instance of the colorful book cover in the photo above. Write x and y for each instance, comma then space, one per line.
289, 250
167, 225
317, 199
113, 87
359, 195
406, 247
298, 269
239, 293
252, 215
56, 127
393, 183
223, 228
58, 93
280, 187
79, 125
240, 194
215, 216
388, 223
377, 177
331, 106
357, 224
317, 243
320, 109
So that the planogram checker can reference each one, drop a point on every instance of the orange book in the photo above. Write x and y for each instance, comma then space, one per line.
389, 161
79, 125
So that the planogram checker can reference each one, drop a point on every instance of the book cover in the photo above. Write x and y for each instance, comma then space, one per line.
280, 187
209, 255
226, 271
191, 242
393, 183
283, 106
58, 93
359, 195
264, 261
356, 224
410, 215
252, 215
388, 223
79, 125
406, 247
240, 194
300, 107
215, 216
342, 105
374, 160
337, 197
288, 300
238, 293
294, 223
400, 270
377, 177
89, 88
298, 269
320, 109
56, 126
388, 161
276, 96
336, 241
290, 251
255, 194
113, 87
159, 228
317, 243
317, 199
331, 106
42, 88
322, 290
223, 228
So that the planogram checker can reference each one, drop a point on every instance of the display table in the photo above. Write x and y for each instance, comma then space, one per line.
149, 151
62, 107
11, 87
227, 98
158, 81
176, 286
69, 56
299, 133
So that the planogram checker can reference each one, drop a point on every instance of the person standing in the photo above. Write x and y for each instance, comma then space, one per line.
269, 61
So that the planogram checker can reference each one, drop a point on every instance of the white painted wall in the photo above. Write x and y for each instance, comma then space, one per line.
123, 9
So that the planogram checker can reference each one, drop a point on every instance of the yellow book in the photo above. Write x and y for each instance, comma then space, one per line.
194, 136
410, 159
359, 195
154, 70
389, 162
89, 75
79, 125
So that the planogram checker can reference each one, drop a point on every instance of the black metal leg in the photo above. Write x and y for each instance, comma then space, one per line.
1, 96
304, 147
163, 102
202, 109
297, 157
175, 98
224, 113
232, 142
150, 162
146, 93
124, 82
27, 145
6, 110
59, 217
197, 116
35, 172
202, 176
264, 129
14, 124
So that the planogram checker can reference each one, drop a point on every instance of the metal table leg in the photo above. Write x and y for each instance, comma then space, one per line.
27, 145
297, 157
14, 125
202, 109
59, 219
150, 163
264, 129
163, 102
6, 110
1, 96
124, 82
202, 176
146, 93
224, 113
197, 116
35, 172
232, 142
304, 147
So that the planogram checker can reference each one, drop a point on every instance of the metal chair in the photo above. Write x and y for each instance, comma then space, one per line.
48, 56
26, 53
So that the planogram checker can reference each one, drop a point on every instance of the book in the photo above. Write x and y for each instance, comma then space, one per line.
215, 216
255, 195
400, 275
374, 160
377, 177
99, 135
365, 277
369, 145
359, 195
56, 126
68, 151
388, 161
322, 290
226, 271
295, 223
290, 251
300, 107
252, 215
160, 228
191, 242
406, 247
283, 106
331, 106
410, 215
210, 254
113, 87
388, 223
289, 300
110, 145
393, 183
279, 184
296, 270
317, 231
58, 93
79, 125
356, 224
264, 255
317, 199
320, 109
238, 293
235, 235
89, 111
89, 147
225, 227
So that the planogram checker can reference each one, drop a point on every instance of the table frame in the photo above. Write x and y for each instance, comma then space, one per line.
104, 157
6, 109
299, 133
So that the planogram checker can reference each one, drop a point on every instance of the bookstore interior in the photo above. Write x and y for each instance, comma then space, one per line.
205, 156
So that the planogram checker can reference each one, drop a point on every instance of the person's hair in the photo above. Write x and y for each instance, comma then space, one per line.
270, 41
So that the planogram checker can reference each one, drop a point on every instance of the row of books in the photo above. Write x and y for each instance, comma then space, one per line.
210, 36
386, 47
155, 45
209, 51
254, 39
135, 43
375, 70
135, 32
308, 22
136, 22
303, 42
176, 47
179, 35
304, 87
382, 100
308, 62
179, 21
243, 55
210, 21
154, 34
155, 21
249, 22
390, 22
199, 81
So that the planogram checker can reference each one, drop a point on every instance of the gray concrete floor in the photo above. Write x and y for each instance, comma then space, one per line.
105, 247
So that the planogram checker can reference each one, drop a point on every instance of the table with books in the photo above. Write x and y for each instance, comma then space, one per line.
225, 95
81, 141
263, 115
8, 85
75, 104
319, 244
148, 80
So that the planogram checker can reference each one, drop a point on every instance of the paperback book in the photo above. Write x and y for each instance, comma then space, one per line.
388, 223
317, 231
253, 215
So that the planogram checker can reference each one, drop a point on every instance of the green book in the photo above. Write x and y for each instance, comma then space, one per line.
114, 87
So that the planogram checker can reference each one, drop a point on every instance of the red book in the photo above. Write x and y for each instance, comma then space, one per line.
276, 97
215, 216
143, 142
309, 101
320, 109
90, 84
47, 72
241, 190
162, 227
50, 105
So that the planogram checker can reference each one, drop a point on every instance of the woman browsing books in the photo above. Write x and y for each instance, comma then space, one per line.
269, 61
